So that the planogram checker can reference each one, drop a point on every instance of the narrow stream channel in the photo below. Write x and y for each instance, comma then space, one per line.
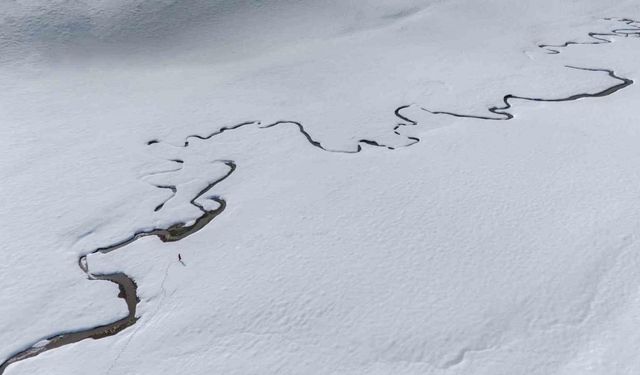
177, 232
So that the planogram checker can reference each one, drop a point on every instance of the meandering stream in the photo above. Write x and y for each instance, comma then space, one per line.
177, 232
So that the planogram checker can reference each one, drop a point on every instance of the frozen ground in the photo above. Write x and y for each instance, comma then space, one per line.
370, 213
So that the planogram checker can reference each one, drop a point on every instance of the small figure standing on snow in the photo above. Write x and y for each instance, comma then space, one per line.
180, 259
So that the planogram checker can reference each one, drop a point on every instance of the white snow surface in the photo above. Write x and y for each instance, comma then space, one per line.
488, 247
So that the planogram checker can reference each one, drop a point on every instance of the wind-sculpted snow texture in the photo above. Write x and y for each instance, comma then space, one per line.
179, 231
354, 211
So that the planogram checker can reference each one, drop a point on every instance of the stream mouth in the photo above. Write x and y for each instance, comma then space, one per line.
176, 232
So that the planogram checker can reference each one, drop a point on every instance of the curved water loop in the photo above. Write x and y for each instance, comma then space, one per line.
598, 38
501, 111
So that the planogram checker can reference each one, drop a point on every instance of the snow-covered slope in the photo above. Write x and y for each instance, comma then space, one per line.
353, 187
